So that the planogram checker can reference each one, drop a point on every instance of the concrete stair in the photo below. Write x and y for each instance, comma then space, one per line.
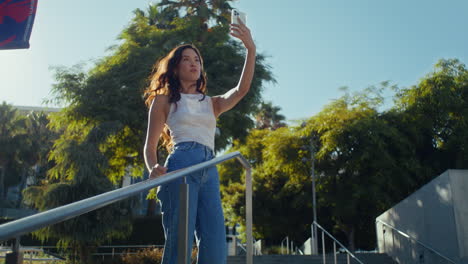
366, 258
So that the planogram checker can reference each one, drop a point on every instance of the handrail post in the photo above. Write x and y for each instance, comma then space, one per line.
183, 243
313, 239
248, 209
16, 256
16, 245
334, 251
323, 247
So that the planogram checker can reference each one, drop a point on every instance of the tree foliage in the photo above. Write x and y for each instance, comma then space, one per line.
268, 116
361, 152
435, 116
12, 128
25, 142
366, 160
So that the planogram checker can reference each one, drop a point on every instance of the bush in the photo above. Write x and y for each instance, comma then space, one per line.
150, 256
273, 250
144, 256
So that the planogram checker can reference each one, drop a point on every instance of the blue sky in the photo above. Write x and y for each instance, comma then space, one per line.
314, 47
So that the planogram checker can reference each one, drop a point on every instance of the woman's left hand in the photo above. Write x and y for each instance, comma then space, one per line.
242, 32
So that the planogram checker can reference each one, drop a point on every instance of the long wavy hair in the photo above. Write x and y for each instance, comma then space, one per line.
164, 81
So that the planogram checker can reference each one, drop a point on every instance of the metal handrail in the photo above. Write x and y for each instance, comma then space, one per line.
417, 241
287, 245
33, 251
241, 246
28, 224
334, 245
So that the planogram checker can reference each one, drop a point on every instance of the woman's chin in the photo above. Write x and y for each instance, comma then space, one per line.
191, 78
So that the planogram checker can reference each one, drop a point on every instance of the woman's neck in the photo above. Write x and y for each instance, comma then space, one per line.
188, 87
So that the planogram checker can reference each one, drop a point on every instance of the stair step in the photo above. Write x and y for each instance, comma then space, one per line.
366, 258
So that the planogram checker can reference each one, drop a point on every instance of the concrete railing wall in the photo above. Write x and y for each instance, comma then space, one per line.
435, 215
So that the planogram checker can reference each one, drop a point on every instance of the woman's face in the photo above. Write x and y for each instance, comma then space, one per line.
189, 66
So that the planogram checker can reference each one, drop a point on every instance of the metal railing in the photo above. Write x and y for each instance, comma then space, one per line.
34, 254
286, 239
290, 248
415, 240
335, 241
28, 224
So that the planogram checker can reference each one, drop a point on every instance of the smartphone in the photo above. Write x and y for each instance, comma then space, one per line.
236, 14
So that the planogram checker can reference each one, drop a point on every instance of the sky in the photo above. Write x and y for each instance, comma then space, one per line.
313, 47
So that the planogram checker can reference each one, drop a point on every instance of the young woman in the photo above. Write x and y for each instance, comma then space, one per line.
185, 117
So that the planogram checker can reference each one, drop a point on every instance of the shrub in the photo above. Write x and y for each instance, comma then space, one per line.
150, 256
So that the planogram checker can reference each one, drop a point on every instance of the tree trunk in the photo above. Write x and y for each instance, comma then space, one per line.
21, 185
85, 253
350, 236
2, 179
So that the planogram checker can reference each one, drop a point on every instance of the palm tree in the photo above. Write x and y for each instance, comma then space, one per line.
203, 9
268, 117
36, 144
11, 129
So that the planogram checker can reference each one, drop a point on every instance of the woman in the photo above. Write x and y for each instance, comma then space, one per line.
185, 117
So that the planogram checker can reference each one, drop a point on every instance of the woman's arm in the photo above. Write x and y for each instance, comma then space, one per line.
157, 116
225, 102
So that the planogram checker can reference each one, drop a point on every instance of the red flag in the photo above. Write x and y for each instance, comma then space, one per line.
16, 21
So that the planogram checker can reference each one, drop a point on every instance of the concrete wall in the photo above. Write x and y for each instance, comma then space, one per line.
436, 215
307, 247
459, 180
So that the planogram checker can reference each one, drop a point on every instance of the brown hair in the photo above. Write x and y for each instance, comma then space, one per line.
164, 81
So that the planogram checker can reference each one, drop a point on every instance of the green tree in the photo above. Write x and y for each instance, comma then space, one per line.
25, 141
36, 142
104, 121
79, 174
11, 132
268, 116
362, 156
367, 159
434, 116
281, 186
371, 160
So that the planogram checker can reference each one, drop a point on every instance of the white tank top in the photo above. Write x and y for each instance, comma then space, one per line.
192, 120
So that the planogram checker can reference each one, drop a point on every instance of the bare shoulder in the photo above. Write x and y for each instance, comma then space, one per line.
160, 100
160, 104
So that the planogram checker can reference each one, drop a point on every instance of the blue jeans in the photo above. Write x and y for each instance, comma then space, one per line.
206, 217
